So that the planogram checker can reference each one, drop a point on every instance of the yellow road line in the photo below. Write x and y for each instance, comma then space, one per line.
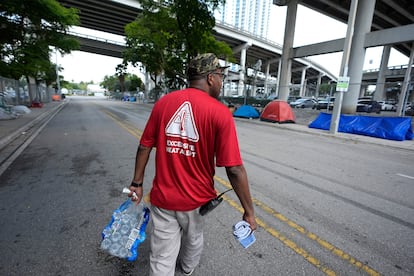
338, 252
289, 243
128, 127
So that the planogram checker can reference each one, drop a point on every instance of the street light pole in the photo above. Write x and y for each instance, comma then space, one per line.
57, 73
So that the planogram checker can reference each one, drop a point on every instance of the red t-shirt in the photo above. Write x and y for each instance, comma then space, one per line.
192, 132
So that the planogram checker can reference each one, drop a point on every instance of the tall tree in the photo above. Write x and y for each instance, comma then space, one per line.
135, 83
195, 20
111, 83
169, 33
31, 30
52, 75
121, 71
150, 37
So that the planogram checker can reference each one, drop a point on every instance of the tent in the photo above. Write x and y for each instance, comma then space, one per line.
390, 128
278, 111
246, 111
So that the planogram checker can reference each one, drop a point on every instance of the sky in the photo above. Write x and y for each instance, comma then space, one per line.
311, 27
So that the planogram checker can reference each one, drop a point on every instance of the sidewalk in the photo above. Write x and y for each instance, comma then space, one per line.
11, 128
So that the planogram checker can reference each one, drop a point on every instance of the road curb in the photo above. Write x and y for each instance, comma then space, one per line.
6, 140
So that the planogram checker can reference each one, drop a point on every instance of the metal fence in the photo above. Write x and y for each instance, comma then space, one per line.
14, 92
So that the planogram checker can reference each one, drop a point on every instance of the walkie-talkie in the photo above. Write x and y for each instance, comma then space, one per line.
209, 206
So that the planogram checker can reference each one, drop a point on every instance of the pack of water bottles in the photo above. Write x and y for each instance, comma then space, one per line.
126, 230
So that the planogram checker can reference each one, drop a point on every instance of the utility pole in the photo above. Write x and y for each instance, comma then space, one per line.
57, 73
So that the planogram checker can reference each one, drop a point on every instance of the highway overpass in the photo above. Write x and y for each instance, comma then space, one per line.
375, 23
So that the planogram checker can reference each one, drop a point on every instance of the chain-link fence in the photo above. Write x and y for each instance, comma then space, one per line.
15, 92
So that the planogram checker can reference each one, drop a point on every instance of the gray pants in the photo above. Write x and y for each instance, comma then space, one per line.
168, 229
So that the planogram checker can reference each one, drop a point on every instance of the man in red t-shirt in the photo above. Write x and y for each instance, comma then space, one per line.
193, 133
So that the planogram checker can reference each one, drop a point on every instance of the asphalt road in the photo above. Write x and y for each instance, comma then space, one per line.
324, 206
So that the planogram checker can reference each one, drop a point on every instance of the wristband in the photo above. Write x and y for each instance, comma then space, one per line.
134, 184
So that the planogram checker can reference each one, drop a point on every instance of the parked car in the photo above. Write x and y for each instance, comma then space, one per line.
302, 103
293, 98
409, 111
387, 106
323, 104
368, 106
408, 105
272, 97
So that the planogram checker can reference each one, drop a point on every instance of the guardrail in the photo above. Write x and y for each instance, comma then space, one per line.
92, 37
395, 67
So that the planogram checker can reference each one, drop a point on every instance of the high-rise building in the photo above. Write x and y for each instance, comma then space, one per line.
248, 15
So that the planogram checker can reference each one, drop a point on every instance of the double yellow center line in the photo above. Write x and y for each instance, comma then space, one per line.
291, 244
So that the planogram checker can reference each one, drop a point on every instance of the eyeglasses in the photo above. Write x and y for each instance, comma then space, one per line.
222, 75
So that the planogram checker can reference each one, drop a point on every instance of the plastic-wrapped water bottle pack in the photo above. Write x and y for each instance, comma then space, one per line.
126, 230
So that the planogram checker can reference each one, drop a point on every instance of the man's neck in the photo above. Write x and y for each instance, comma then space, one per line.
199, 87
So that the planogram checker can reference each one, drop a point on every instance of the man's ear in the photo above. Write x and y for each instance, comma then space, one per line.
209, 79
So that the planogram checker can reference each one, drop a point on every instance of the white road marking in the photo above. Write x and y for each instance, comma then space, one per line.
404, 175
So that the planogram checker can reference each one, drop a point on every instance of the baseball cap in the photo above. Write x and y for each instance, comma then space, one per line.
203, 64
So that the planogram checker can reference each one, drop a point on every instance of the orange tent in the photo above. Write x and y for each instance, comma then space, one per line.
56, 97
278, 111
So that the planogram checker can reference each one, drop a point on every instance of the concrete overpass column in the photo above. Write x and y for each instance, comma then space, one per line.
279, 68
380, 86
406, 84
339, 95
362, 91
318, 85
286, 61
302, 91
227, 82
240, 86
363, 22
267, 78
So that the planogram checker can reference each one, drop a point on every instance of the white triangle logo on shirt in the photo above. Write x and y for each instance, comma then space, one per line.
182, 124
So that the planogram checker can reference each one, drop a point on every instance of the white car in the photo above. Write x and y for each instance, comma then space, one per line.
302, 103
387, 106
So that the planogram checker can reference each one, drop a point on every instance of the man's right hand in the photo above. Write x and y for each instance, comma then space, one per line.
250, 220
136, 194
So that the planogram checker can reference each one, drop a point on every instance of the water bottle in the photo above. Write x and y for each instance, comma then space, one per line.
126, 231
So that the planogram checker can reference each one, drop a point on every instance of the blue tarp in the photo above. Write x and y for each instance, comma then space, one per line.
246, 111
391, 128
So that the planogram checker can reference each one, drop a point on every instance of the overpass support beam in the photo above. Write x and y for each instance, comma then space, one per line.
267, 78
242, 72
302, 91
266, 84
363, 21
286, 61
380, 86
404, 89
336, 112
279, 69
318, 85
